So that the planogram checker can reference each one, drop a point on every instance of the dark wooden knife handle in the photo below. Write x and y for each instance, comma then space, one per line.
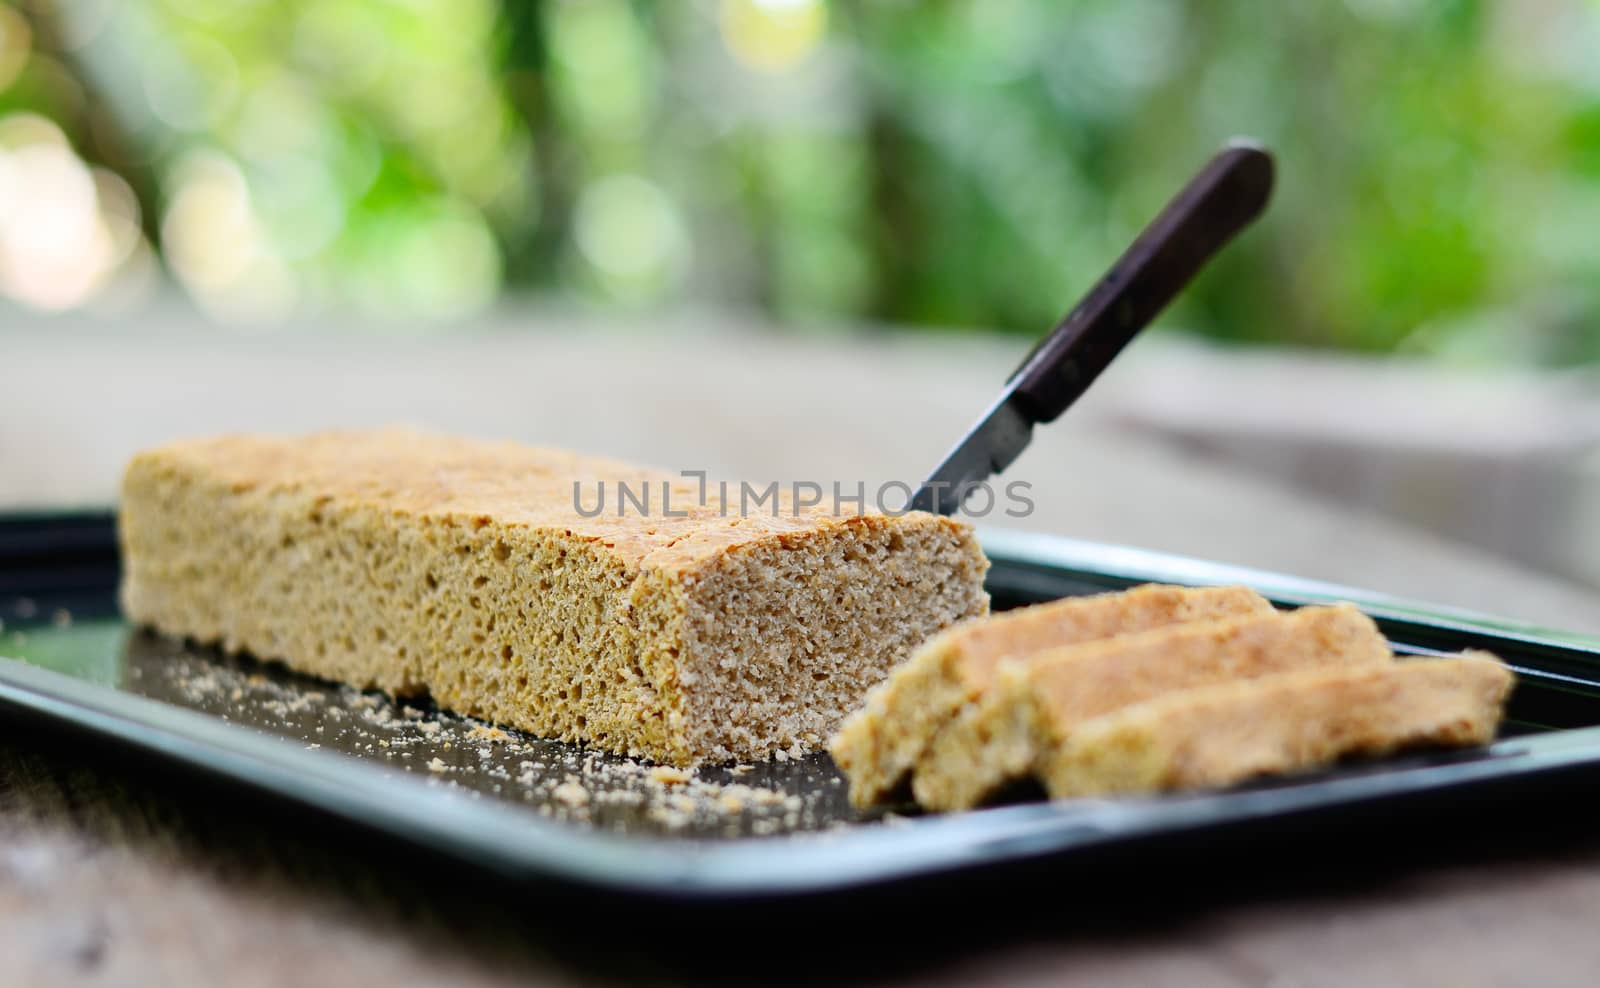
1228, 193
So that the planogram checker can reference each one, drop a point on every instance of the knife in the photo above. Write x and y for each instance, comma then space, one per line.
1227, 194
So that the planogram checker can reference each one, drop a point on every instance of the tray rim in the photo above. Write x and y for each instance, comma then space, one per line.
519, 844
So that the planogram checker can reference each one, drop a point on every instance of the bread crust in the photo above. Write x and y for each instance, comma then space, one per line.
1292, 722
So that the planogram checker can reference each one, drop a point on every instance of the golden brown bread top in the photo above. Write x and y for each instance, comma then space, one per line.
1456, 699
1199, 653
423, 474
1222, 734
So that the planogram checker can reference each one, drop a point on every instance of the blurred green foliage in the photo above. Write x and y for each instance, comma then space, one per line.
950, 164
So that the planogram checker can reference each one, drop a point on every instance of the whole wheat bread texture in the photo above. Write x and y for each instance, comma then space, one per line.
420, 563
1290, 722
1034, 706
879, 744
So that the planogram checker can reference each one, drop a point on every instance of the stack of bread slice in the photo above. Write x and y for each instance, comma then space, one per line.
1155, 688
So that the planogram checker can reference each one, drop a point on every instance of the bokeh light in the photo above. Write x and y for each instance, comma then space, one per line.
969, 163
433, 260
65, 229
773, 35
631, 233
603, 79
217, 246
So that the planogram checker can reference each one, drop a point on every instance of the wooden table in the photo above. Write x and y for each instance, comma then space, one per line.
113, 877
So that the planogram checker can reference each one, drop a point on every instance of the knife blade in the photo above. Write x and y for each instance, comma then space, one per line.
1223, 198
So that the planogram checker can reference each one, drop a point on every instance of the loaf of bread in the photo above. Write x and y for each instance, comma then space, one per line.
425, 564
880, 743
1033, 707
1225, 734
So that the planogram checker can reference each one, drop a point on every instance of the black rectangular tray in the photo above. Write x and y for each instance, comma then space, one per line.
539, 811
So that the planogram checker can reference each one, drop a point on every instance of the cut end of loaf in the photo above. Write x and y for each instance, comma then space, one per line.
781, 638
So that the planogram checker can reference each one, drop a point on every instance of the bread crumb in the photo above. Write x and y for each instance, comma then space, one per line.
668, 817
669, 776
571, 794
578, 786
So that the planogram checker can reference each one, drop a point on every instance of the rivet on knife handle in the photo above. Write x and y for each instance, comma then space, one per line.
1228, 193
